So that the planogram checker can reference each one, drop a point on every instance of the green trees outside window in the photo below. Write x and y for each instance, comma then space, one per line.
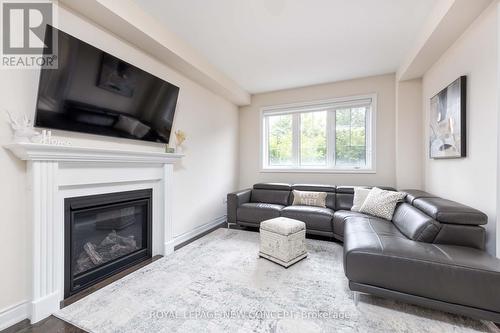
350, 137
280, 140
313, 138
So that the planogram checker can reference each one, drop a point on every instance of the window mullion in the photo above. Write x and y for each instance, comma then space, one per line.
330, 144
335, 139
296, 139
368, 137
266, 142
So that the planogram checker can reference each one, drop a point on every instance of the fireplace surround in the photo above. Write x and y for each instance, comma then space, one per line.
56, 173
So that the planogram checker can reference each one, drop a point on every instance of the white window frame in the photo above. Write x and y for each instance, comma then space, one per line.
328, 105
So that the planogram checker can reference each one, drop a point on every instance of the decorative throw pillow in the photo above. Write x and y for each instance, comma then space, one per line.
309, 198
381, 203
360, 194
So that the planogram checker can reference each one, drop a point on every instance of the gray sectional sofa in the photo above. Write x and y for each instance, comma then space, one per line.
432, 254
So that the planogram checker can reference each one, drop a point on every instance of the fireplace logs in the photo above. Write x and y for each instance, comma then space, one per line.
110, 248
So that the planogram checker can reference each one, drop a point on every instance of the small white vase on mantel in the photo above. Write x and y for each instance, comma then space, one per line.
180, 137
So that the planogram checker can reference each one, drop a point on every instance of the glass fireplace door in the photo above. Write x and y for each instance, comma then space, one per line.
105, 234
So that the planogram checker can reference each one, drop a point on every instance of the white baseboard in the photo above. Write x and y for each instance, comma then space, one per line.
44, 307
14, 314
169, 246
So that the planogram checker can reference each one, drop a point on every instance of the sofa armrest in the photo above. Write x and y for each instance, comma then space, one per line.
234, 200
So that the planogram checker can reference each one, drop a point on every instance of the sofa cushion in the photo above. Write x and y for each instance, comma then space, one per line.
315, 218
381, 203
309, 198
371, 224
339, 218
345, 195
421, 269
258, 212
414, 224
277, 197
360, 195
330, 192
447, 211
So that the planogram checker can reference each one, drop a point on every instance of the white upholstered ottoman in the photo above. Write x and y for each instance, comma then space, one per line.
283, 240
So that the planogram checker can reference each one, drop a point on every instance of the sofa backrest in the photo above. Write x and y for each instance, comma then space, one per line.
273, 193
459, 224
412, 195
421, 217
329, 189
447, 211
462, 235
344, 198
414, 224
444, 210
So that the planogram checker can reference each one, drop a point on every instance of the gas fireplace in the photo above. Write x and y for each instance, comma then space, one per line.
105, 234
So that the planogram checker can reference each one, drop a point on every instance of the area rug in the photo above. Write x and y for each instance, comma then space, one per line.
218, 284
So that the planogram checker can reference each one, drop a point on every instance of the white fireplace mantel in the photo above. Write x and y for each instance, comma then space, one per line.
59, 172
44, 152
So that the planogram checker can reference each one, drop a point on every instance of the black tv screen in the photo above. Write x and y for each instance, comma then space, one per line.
94, 92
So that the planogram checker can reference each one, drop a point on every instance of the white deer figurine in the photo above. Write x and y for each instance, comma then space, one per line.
23, 128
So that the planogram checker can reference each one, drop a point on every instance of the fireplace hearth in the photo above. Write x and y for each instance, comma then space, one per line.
105, 234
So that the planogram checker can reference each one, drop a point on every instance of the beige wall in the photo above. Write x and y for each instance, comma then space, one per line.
409, 173
209, 169
471, 180
383, 85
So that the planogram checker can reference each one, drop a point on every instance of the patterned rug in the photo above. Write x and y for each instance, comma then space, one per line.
218, 284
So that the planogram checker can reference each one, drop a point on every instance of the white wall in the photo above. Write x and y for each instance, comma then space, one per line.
201, 180
471, 180
409, 173
383, 85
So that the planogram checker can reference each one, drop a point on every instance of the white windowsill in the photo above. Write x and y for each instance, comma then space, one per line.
305, 170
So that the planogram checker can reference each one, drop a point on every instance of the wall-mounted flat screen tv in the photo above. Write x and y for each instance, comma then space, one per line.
94, 92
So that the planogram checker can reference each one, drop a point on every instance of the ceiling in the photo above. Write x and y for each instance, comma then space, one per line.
267, 45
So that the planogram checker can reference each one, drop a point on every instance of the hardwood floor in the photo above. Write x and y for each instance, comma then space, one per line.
48, 325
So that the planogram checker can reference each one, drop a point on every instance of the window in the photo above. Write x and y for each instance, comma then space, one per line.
280, 140
335, 135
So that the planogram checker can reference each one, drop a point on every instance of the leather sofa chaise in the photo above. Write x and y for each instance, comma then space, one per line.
432, 254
